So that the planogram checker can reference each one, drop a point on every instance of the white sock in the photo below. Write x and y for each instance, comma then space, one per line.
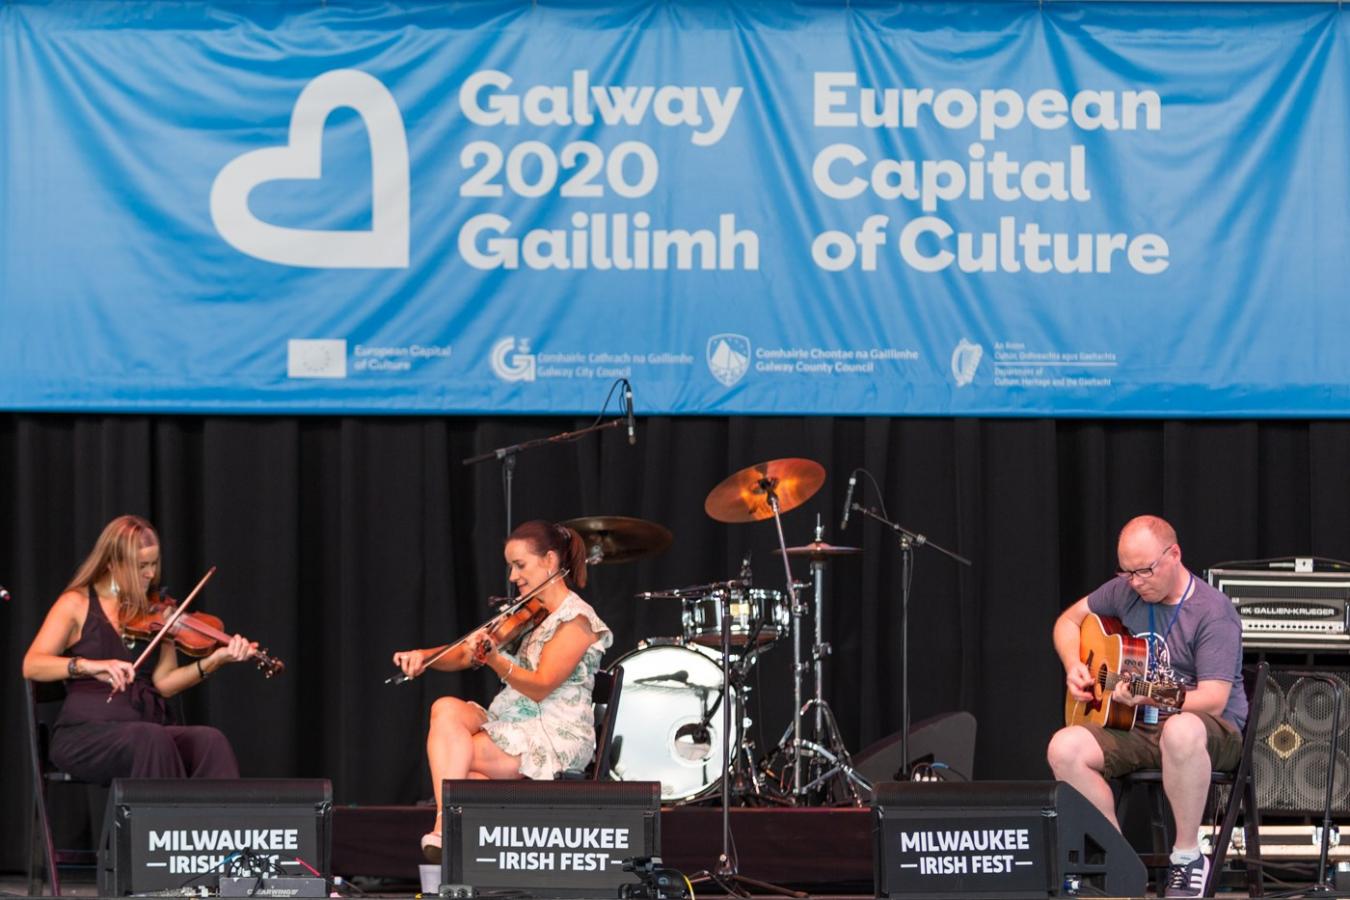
1183, 857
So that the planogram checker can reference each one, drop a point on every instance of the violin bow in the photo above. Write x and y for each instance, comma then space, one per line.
516, 604
168, 626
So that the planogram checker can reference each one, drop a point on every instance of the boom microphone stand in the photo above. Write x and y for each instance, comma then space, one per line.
908, 540
507, 454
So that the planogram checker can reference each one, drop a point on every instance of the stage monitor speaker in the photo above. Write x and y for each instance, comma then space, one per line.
998, 839
947, 739
547, 838
168, 835
1292, 753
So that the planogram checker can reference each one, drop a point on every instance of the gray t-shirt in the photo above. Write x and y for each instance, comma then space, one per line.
1204, 643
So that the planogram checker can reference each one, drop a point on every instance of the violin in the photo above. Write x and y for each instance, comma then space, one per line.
511, 623
509, 627
195, 633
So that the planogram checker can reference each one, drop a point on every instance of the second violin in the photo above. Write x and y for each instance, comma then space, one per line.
196, 634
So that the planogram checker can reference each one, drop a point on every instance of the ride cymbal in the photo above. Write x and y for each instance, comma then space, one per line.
618, 539
744, 496
821, 550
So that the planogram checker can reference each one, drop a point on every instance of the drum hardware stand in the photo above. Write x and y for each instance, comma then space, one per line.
908, 540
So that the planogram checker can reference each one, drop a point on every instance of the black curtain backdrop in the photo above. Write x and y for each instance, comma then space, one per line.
341, 540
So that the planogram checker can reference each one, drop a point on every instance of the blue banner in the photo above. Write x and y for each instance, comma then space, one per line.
741, 207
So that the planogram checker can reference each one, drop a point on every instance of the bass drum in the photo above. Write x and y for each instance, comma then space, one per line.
658, 733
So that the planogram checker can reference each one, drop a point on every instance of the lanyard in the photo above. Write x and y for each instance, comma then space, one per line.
1152, 656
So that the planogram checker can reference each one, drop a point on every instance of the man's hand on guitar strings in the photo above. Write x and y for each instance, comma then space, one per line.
1079, 681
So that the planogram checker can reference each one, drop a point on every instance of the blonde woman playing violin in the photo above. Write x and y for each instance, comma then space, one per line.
113, 723
541, 722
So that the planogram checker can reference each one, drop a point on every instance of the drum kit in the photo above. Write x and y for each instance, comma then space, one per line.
682, 720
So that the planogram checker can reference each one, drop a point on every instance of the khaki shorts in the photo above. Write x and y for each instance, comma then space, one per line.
1128, 751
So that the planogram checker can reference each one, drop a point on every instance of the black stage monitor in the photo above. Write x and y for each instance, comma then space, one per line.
998, 839
547, 838
169, 834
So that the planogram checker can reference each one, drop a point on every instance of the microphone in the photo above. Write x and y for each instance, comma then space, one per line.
681, 676
848, 499
697, 732
628, 405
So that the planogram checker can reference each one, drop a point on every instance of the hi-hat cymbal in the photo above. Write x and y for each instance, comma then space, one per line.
616, 539
821, 550
744, 496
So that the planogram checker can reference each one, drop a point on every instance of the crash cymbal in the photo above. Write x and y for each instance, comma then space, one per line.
616, 539
821, 550
743, 497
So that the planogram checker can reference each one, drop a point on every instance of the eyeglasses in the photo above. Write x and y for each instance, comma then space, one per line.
1146, 571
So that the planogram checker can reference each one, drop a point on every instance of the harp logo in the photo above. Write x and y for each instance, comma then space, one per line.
965, 361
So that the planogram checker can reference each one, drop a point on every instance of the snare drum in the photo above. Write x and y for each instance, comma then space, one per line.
659, 733
702, 617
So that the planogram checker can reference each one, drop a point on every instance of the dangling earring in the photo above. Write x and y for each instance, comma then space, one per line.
112, 586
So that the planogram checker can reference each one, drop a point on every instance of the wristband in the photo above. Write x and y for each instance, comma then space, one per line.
201, 671
511, 669
73, 667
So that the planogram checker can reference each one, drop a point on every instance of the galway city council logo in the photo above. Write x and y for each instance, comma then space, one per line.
512, 360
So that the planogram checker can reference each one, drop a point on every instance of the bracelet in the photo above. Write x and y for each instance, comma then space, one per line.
201, 671
509, 671
73, 667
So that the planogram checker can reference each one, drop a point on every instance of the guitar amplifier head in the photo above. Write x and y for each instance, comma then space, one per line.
1296, 610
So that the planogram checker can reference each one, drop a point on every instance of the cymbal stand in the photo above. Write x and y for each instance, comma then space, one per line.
827, 742
908, 540
825, 753
767, 485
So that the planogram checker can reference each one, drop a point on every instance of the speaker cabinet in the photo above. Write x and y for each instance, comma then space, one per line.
548, 838
1292, 753
997, 839
947, 739
175, 835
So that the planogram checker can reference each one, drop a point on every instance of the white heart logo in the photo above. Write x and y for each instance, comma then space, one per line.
385, 245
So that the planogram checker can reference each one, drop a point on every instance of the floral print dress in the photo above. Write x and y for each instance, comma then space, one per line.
555, 734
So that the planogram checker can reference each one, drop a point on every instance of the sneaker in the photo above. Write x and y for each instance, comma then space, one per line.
1188, 880
431, 848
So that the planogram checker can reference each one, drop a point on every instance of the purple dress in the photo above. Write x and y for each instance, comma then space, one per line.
96, 740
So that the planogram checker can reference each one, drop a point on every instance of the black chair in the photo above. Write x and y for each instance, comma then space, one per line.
1231, 793
605, 697
43, 706
605, 702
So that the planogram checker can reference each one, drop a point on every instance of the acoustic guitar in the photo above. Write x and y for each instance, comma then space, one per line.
1114, 655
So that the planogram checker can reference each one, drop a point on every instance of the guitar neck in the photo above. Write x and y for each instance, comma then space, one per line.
1138, 686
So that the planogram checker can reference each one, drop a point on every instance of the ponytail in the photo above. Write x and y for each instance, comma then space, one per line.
542, 537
